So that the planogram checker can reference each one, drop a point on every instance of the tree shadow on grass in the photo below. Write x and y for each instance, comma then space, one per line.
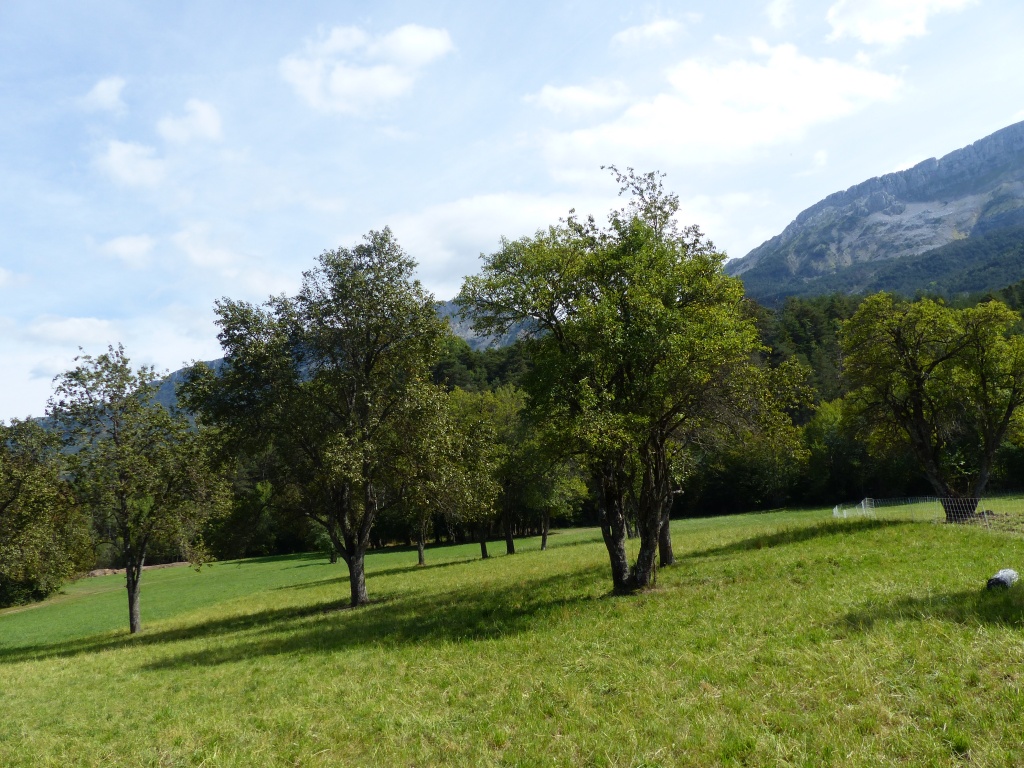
797, 535
399, 569
465, 614
1003, 607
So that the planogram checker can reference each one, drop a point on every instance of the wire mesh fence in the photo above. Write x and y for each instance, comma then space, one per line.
998, 513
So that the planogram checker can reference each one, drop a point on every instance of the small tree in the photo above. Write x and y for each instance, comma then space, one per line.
141, 471
44, 535
947, 382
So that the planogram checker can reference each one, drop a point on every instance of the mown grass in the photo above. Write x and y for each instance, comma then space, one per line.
778, 639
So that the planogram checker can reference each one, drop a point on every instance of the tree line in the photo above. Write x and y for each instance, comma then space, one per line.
644, 385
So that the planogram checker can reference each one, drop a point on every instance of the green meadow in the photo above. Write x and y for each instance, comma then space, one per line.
778, 639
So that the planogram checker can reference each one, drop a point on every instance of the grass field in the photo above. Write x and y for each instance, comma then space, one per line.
778, 639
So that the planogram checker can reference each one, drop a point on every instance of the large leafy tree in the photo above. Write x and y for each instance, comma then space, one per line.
635, 331
141, 470
332, 378
946, 382
44, 535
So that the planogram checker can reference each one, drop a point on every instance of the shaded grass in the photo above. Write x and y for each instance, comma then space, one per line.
780, 639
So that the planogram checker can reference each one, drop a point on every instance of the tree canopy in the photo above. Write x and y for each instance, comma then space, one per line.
635, 329
140, 470
332, 379
44, 534
947, 382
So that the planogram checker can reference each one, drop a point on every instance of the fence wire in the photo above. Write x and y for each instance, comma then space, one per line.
998, 513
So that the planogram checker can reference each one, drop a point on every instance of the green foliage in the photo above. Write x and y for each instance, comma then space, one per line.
142, 472
636, 332
947, 382
333, 384
807, 330
44, 535
473, 370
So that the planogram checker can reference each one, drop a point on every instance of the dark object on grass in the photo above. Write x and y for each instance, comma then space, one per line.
1005, 579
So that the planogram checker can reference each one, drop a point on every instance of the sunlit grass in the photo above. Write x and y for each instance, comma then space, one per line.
778, 639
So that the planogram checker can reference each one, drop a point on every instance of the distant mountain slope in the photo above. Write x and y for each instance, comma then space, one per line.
977, 264
464, 329
850, 238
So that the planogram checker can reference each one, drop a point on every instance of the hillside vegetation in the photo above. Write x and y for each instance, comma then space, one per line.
777, 639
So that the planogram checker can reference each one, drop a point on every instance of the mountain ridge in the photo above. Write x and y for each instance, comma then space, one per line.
970, 192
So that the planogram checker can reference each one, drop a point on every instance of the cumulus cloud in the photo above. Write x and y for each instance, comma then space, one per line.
134, 165
779, 13
819, 161
884, 22
200, 121
656, 32
352, 72
52, 329
579, 99
194, 241
105, 95
133, 250
446, 238
721, 112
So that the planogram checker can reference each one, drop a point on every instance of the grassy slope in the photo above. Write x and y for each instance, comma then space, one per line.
778, 640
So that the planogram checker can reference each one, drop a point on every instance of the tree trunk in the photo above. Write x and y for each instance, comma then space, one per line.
644, 572
333, 555
420, 545
510, 544
959, 510
357, 578
613, 527
483, 542
133, 576
544, 523
666, 555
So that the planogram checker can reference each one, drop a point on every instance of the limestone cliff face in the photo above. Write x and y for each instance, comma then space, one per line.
972, 191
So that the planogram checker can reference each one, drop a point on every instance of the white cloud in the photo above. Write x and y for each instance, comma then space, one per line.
71, 330
6, 277
886, 22
105, 95
818, 162
446, 238
779, 13
654, 33
194, 242
134, 165
133, 250
352, 72
722, 112
200, 121
577, 99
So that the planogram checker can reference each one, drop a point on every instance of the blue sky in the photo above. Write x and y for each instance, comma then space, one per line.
157, 156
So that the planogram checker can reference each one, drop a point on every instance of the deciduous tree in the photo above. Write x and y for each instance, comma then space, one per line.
140, 470
947, 382
44, 535
635, 331
331, 378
